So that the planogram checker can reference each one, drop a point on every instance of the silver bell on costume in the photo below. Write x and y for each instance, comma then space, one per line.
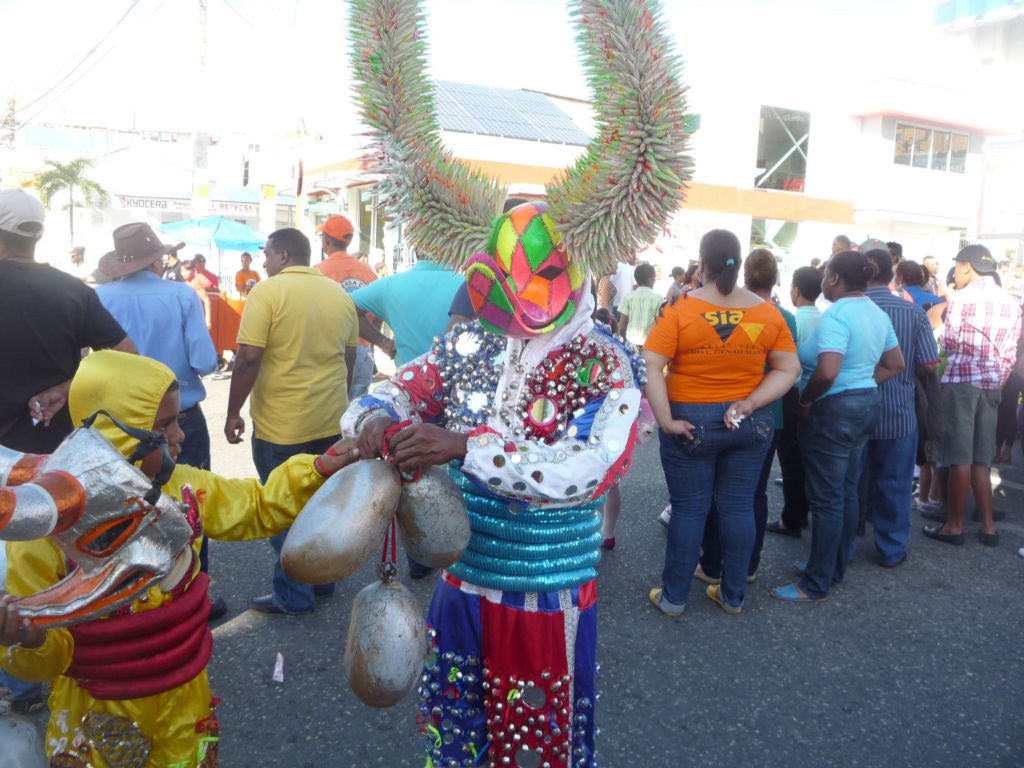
20, 744
387, 642
433, 525
340, 528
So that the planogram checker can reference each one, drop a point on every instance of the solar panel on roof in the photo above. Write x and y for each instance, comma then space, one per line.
468, 108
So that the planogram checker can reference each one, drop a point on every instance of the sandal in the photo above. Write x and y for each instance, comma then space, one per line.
699, 574
801, 568
792, 593
714, 591
655, 597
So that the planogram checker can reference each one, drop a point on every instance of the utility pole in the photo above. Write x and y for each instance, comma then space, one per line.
201, 140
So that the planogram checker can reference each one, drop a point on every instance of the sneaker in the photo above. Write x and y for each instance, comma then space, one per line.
714, 591
699, 574
927, 505
666, 516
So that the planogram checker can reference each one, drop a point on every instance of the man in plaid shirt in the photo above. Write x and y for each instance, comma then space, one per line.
982, 326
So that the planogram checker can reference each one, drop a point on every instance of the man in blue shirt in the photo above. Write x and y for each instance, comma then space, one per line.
887, 482
415, 304
165, 320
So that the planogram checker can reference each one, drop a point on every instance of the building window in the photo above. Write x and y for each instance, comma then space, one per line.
371, 222
782, 149
775, 235
939, 150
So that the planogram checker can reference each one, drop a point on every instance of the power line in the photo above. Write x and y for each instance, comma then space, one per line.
88, 69
238, 13
91, 51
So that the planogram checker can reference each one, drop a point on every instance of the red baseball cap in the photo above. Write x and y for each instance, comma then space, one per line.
337, 226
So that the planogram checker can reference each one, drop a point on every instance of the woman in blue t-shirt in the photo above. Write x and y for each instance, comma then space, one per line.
852, 351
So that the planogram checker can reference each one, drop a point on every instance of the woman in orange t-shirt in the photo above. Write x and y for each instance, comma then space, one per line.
713, 410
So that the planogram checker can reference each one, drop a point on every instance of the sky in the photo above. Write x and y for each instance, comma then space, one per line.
276, 65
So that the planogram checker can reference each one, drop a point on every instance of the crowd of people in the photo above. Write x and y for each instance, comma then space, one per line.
880, 369
904, 379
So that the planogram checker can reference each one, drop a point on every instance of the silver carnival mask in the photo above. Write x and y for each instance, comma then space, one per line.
120, 534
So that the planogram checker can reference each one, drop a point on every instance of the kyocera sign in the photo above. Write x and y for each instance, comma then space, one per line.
152, 203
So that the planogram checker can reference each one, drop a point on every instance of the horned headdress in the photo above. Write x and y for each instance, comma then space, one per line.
527, 269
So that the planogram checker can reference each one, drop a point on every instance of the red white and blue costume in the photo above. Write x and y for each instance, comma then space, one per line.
551, 424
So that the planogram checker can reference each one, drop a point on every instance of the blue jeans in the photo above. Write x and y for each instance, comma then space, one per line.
19, 689
889, 467
362, 374
711, 546
716, 464
289, 595
832, 440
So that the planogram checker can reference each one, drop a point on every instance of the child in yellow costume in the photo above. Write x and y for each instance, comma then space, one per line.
125, 696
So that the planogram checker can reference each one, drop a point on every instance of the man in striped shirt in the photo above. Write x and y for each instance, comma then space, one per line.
639, 308
979, 335
888, 477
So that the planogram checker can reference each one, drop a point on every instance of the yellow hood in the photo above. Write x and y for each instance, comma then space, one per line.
128, 387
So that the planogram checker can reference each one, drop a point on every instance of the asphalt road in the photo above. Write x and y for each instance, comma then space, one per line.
914, 666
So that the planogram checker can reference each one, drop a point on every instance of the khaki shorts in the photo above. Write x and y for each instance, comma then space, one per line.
969, 433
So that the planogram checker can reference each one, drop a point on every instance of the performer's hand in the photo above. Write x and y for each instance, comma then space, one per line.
234, 428
15, 630
388, 348
341, 454
371, 437
423, 444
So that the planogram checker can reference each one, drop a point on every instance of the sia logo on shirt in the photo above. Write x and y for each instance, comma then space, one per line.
725, 321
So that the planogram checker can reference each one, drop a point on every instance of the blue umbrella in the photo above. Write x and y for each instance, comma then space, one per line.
225, 234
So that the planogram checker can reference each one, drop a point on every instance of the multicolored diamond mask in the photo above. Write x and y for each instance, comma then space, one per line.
526, 286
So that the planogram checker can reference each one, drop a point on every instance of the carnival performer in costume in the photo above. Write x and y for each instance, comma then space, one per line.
534, 406
130, 689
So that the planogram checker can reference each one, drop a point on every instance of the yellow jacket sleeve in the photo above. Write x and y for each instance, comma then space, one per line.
32, 566
240, 510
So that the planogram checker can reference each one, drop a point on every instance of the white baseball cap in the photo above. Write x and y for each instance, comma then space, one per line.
21, 214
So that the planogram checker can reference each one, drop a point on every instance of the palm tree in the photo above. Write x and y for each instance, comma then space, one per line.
70, 176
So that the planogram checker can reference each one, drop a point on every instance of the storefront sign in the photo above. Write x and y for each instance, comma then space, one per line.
215, 207
152, 203
236, 209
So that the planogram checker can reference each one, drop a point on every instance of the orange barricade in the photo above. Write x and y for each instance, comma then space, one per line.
225, 316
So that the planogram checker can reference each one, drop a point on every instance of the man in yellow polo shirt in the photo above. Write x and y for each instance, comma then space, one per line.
296, 353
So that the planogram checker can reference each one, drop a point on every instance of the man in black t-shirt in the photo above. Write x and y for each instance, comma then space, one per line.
47, 317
